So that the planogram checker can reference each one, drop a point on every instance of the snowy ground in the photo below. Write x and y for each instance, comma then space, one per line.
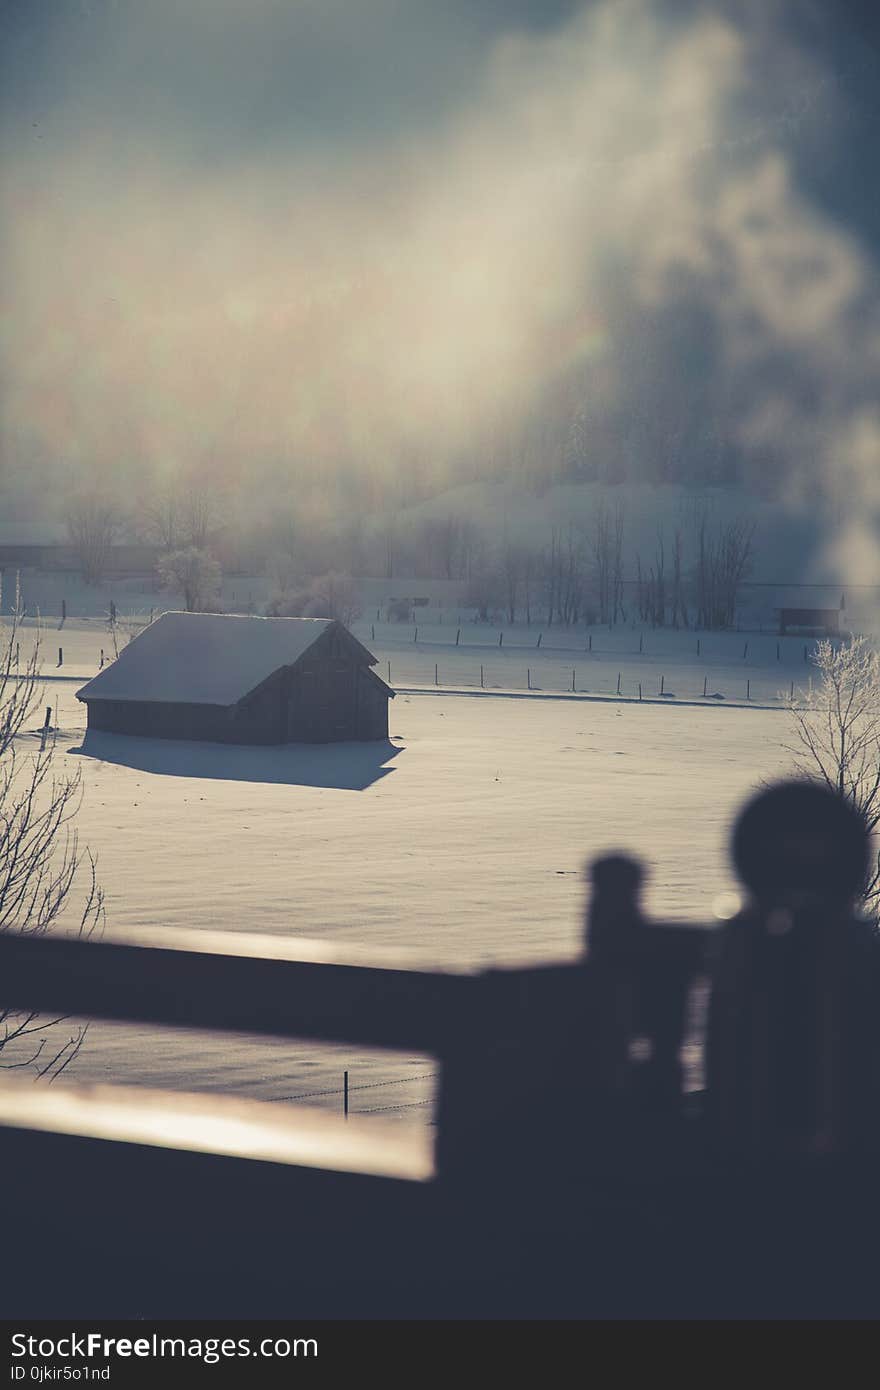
464, 840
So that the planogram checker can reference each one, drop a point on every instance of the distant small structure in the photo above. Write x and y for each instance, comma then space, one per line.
241, 679
399, 610
822, 620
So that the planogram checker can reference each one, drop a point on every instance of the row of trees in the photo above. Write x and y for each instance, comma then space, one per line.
579, 575
692, 576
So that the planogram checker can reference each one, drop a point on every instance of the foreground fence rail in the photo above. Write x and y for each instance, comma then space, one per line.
563, 1177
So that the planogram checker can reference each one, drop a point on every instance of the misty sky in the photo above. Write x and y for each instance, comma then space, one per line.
378, 240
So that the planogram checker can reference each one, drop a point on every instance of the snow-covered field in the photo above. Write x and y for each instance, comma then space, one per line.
709, 668
465, 840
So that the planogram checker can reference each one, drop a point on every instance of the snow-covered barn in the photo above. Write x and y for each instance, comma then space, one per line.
231, 679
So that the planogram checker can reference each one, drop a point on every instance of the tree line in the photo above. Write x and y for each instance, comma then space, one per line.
580, 572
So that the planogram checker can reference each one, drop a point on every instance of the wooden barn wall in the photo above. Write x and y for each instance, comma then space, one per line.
322, 705
372, 707
261, 716
153, 720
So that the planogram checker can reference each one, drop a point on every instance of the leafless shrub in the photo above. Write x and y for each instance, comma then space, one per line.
41, 860
837, 733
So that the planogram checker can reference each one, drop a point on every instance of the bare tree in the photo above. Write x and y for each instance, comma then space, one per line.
606, 553
723, 558
551, 566
196, 574
471, 542
602, 562
180, 517
530, 568
512, 559
42, 865
198, 513
651, 585
658, 618
564, 569
160, 520
679, 606
617, 610
837, 733
93, 524
441, 542
389, 539
485, 589
641, 601
735, 548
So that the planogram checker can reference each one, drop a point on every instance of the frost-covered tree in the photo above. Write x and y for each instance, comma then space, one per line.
45, 876
330, 595
196, 574
837, 733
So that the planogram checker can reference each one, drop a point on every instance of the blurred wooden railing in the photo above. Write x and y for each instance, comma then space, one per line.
564, 1176
511, 1044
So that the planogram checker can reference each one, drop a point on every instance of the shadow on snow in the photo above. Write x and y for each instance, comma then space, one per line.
346, 766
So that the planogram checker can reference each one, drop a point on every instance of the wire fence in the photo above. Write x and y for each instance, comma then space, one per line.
347, 1089
627, 663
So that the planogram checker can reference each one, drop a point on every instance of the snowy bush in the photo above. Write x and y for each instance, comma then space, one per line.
327, 596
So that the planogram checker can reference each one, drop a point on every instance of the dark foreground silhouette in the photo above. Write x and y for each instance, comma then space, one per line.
570, 1174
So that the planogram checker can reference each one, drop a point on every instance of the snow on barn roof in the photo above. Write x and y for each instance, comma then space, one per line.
205, 658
